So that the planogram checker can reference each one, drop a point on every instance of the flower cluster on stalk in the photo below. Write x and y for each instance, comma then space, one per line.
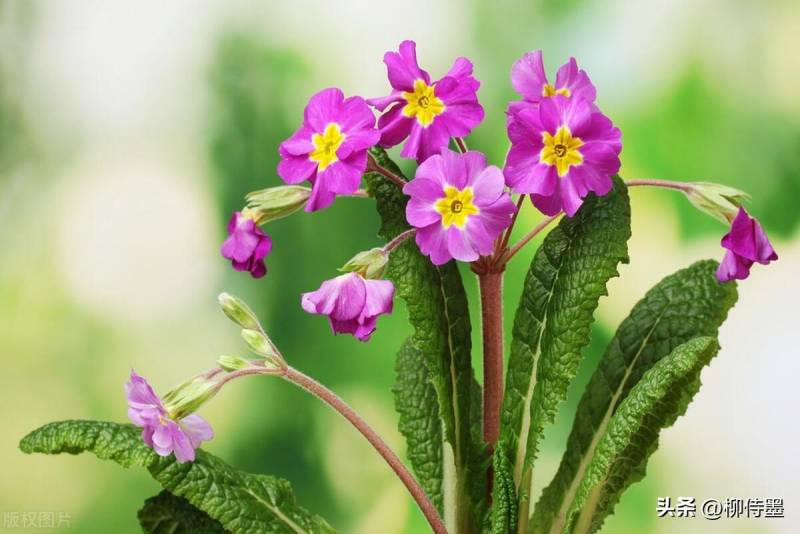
562, 149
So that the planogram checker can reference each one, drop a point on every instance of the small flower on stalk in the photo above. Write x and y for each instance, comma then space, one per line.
330, 147
277, 202
352, 303
163, 432
746, 243
560, 151
458, 205
529, 80
426, 113
246, 245
369, 263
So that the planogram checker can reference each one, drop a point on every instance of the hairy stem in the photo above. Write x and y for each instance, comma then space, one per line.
397, 241
491, 289
681, 186
530, 235
334, 401
374, 166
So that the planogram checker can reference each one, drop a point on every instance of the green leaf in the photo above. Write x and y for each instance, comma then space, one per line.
687, 304
654, 403
415, 401
241, 502
438, 311
504, 496
108, 441
168, 514
566, 279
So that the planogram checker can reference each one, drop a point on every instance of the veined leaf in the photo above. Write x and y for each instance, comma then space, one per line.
504, 497
438, 311
166, 513
687, 304
241, 502
415, 401
654, 403
567, 277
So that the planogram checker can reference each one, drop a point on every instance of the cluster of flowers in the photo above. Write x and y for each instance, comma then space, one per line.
562, 148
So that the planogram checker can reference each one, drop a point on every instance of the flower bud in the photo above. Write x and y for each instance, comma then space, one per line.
232, 363
189, 396
277, 202
238, 312
719, 201
259, 343
370, 263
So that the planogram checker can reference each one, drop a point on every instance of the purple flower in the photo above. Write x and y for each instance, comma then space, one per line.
561, 150
427, 114
458, 205
529, 80
330, 147
160, 432
246, 245
352, 303
746, 243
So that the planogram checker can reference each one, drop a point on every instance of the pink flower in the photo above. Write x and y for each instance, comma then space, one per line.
529, 80
561, 150
427, 114
352, 303
160, 432
458, 205
330, 147
246, 245
746, 243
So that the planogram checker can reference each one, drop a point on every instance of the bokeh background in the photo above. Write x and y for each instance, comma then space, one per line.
130, 131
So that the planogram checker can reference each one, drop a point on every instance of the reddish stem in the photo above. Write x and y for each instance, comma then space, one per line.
462, 146
491, 290
374, 166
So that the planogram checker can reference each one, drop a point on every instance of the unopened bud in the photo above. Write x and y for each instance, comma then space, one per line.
238, 312
369, 263
232, 363
259, 343
719, 201
277, 202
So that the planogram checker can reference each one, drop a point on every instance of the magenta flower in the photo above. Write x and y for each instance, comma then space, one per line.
160, 432
529, 80
746, 243
458, 205
427, 114
330, 147
561, 150
352, 303
246, 245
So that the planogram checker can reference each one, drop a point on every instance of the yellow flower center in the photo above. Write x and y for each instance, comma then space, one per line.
561, 150
326, 145
422, 103
456, 206
549, 90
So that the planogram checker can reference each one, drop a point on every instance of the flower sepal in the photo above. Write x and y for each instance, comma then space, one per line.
369, 263
275, 203
238, 312
719, 201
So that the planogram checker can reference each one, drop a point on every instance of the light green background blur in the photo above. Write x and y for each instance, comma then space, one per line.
130, 131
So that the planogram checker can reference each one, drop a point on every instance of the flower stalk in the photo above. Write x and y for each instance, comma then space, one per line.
334, 401
491, 291
374, 166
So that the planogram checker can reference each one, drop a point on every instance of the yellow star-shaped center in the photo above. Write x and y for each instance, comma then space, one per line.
325, 146
456, 206
561, 150
550, 90
422, 103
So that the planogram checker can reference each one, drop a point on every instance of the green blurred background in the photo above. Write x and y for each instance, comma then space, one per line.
130, 131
